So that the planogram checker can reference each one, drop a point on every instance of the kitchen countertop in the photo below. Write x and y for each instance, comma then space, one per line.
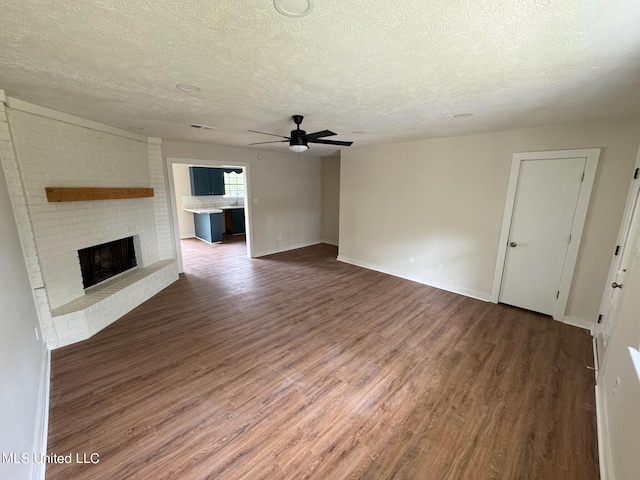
219, 209
202, 210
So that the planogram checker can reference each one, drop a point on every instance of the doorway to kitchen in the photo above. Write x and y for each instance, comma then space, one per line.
209, 203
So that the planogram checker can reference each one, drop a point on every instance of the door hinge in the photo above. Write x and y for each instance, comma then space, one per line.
636, 173
617, 250
582, 179
570, 237
600, 318
558, 294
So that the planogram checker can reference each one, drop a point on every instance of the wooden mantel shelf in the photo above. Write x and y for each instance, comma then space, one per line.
65, 194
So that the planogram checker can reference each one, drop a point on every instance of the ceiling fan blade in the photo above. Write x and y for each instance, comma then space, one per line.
310, 137
331, 142
265, 133
275, 141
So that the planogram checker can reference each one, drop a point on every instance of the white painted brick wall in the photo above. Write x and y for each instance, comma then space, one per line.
161, 205
18, 200
52, 153
38, 152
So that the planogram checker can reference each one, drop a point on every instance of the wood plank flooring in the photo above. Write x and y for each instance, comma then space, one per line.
298, 366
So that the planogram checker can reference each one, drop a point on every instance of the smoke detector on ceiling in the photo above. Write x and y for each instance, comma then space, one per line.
294, 8
188, 87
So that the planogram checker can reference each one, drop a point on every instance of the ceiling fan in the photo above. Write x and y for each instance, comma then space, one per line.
299, 139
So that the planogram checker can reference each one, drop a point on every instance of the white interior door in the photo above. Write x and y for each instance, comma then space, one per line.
625, 253
540, 232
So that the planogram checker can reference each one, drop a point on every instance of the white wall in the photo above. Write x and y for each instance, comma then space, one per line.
330, 199
23, 358
182, 188
288, 189
442, 200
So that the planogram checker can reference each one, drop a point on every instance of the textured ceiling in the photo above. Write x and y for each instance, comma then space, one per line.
395, 70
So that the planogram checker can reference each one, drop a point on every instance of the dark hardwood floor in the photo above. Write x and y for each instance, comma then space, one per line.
298, 366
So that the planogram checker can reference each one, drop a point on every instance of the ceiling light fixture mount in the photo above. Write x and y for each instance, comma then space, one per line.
188, 87
293, 8
463, 115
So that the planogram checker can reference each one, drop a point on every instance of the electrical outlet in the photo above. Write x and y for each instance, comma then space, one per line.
255, 201
411, 259
279, 236
440, 267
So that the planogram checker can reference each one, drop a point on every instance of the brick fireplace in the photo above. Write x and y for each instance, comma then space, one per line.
45, 148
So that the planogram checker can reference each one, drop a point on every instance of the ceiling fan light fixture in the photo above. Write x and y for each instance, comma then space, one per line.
299, 139
298, 148
293, 8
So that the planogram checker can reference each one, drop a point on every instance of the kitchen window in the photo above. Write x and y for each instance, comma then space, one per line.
234, 184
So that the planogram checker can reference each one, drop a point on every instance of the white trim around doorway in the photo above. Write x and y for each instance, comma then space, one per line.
591, 155
174, 207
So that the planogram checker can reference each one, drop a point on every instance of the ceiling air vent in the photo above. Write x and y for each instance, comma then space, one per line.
202, 127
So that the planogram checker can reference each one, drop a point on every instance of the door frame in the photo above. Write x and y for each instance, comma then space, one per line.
591, 155
174, 206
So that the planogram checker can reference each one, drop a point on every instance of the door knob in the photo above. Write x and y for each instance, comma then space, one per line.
513, 244
616, 285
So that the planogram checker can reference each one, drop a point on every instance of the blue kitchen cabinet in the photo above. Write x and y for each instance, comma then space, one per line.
206, 181
208, 226
237, 219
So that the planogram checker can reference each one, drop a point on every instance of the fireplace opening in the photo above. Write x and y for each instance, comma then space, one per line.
101, 262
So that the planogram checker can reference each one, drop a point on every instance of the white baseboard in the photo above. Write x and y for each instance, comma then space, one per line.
182, 237
467, 292
603, 436
578, 322
38, 470
286, 249
330, 242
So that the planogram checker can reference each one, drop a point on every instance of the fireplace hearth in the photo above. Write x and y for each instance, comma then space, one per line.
101, 262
